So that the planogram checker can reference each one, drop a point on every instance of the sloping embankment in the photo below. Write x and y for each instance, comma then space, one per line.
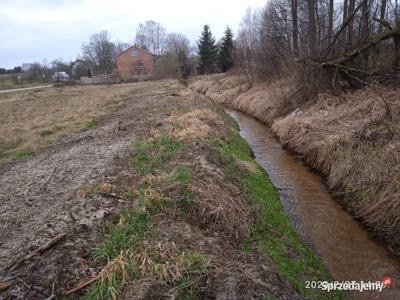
353, 140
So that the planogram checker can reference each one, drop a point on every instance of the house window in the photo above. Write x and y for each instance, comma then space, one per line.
134, 53
141, 63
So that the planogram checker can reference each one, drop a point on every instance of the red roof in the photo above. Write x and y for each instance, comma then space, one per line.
138, 49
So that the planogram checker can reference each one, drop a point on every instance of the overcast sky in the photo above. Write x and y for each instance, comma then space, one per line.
34, 30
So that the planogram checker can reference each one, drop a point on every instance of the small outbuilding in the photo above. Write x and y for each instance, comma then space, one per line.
60, 77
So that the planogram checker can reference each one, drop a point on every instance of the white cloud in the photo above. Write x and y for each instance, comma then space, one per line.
34, 30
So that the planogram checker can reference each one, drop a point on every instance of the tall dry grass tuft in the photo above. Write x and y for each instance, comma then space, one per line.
217, 209
196, 124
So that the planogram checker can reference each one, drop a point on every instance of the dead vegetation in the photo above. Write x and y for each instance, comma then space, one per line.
353, 139
259, 101
220, 211
33, 120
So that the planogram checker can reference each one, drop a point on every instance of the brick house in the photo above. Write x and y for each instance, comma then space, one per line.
135, 61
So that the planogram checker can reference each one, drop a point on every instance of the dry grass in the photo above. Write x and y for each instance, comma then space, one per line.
165, 262
259, 101
196, 124
352, 139
247, 166
215, 206
32, 120
218, 209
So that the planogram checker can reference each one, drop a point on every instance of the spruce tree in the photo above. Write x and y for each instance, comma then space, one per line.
208, 52
225, 55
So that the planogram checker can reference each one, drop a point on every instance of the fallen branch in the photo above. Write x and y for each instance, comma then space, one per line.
41, 249
348, 68
356, 78
85, 284
4, 286
46, 246
385, 23
393, 32
343, 27
110, 267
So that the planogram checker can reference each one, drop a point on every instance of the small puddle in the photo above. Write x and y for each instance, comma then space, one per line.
340, 241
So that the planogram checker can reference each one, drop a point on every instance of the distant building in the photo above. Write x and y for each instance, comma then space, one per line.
60, 76
135, 61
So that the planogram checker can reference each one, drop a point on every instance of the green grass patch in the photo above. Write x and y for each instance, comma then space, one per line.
180, 270
152, 155
126, 235
182, 175
13, 151
92, 124
130, 194
188, 286
23, 154
4, 152
273, 230
228, 120
123, 239
105, 289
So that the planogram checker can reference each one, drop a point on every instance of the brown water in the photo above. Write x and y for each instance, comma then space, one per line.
342, 244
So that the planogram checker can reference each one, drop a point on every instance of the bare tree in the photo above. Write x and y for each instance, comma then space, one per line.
295, 30
330, 18
177, 58
121, 47
58, 65
350, 30
101, 52
339, 39
151, 36
312, 27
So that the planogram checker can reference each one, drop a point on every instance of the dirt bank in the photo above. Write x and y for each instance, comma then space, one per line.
161, 199
353, 140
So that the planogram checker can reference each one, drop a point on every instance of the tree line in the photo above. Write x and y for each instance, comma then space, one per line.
343, 41
176, 56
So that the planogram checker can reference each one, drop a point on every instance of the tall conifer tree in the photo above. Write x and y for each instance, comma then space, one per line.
208, 52
225, 56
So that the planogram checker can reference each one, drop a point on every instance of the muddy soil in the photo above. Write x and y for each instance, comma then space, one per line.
43, 197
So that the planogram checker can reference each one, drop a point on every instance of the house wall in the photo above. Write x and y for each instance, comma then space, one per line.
128, 65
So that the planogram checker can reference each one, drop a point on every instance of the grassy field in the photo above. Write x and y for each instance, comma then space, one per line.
7, 83
33, 120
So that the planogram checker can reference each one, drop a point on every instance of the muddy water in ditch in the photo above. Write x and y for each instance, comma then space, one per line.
342, 244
